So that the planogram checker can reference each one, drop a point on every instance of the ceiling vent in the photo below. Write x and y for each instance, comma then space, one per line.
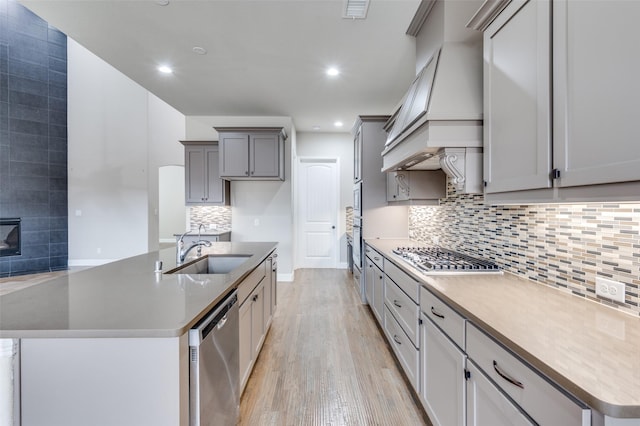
355, 9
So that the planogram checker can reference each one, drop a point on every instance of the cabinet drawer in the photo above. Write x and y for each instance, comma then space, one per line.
443, 316
403, 309
405, 351
251, 281
541, 400
404, 281
374, 256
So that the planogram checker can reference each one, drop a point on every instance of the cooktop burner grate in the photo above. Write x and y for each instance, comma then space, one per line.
439, 259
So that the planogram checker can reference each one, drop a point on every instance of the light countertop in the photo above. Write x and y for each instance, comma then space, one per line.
125, 298
591, 350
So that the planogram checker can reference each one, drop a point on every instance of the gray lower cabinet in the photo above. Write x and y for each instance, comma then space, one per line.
442, 361
254, 295
251, 153
559, 121
442, 376
532, 394
203, 185
401, 320
461, 374
487, 405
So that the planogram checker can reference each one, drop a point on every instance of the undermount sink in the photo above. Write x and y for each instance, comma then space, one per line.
213, 264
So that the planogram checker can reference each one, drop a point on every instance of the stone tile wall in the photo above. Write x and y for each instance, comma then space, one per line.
561, 245
218, 215
33, 138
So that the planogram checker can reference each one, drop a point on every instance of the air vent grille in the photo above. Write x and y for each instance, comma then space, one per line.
194, 354
355, 9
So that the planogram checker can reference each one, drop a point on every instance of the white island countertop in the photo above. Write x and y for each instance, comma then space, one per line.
589, 349
125, 298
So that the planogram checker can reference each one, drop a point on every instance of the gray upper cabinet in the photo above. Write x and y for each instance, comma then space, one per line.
203, 185
251, 153
596, 91
561, 100
517, 98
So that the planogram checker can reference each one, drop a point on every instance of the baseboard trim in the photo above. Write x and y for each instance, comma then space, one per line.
286, 277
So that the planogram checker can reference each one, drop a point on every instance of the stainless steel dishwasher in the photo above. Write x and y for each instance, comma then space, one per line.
214, 372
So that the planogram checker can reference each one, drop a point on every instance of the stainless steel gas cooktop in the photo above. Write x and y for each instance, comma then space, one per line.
439, 260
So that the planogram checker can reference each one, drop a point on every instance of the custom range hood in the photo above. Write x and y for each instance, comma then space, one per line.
439, 124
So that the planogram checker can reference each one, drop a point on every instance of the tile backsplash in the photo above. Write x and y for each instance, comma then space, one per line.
561, 245
208, 215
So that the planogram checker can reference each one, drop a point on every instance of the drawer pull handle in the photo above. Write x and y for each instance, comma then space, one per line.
376, 258
395, 302
397, 339
507, 378
434, 312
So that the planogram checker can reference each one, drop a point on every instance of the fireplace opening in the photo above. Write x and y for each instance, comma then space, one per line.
10, 237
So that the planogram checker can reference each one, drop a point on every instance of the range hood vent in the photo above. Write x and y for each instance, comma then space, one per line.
439, 125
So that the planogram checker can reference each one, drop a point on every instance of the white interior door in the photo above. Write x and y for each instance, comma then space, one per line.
318, 213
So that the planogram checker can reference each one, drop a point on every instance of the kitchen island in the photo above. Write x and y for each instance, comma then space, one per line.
589, 350
109, 345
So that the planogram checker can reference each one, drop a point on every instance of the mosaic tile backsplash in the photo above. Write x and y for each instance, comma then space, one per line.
218, 215
561, 245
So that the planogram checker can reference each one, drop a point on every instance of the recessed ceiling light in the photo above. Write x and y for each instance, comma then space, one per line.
316, 127
199, 50
338, 124
165, 69
161, 2
333, 71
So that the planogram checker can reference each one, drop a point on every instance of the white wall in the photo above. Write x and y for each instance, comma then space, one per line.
172, 213
333, 145
269, 202
166, 127
119, 134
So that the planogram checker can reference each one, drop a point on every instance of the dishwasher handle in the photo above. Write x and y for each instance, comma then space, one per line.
216, 319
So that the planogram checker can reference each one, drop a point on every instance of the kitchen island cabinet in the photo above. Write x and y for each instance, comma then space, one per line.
559, 120
562, 340
109, 345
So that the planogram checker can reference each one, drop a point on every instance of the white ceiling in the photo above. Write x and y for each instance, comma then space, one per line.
265, 57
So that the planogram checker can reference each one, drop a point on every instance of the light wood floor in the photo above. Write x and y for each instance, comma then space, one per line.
324, 361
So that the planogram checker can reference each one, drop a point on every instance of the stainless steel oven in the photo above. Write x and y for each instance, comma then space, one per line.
357, 241
357, 199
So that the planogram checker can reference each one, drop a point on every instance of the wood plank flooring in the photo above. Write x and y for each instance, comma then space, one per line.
324, 361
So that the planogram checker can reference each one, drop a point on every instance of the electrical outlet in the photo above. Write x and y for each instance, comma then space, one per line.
610, 289
213, 226
256, 222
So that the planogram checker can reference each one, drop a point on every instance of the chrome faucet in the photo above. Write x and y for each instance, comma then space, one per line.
181, 253
198, 244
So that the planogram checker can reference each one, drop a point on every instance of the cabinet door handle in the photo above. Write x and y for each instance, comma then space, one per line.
395, 302
255, 298
380, 276
434, 312
397, 339
246, 173
507, 378
376, 258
